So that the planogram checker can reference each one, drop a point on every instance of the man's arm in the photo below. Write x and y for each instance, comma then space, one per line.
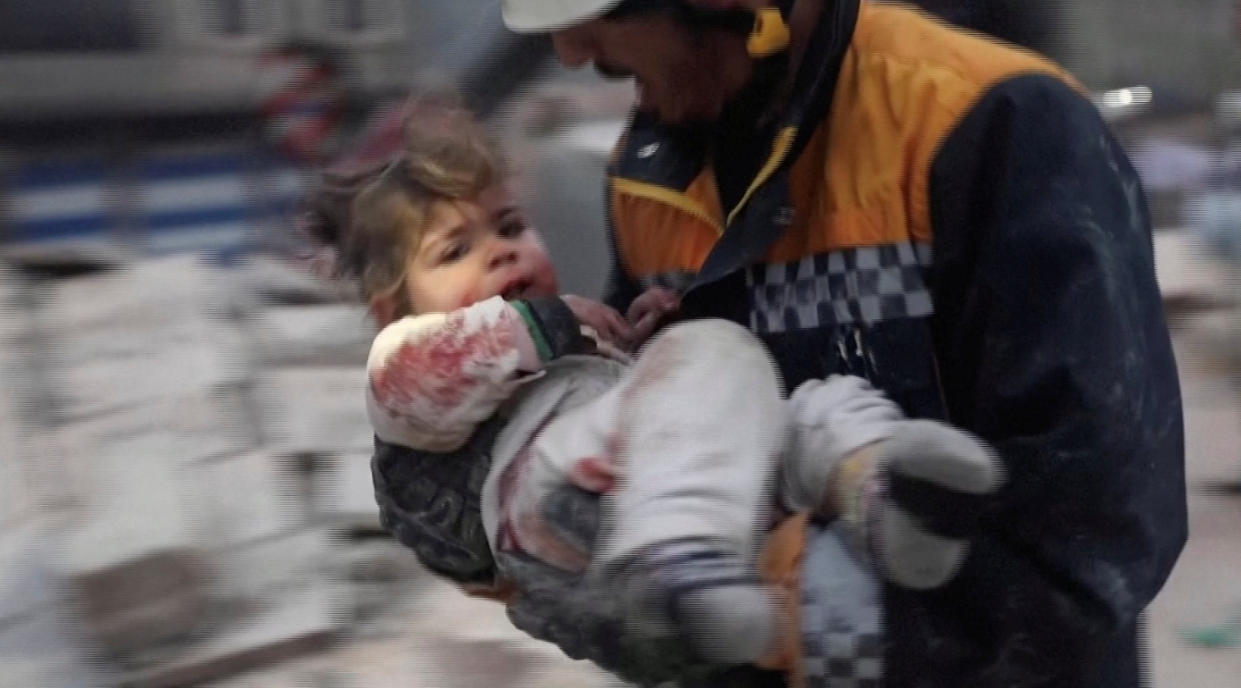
1052, 346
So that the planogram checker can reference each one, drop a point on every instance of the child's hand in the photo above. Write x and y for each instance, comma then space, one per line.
604, 321
650, 311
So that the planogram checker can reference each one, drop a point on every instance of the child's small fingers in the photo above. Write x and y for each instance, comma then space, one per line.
624, 332
639, 308
612, 326
645, 327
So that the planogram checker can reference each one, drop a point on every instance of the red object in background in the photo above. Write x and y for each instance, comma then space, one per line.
379, 141
304, 105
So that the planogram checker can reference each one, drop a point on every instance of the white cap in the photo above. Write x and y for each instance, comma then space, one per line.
535, 16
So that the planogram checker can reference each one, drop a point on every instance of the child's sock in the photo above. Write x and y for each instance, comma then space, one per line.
712, 595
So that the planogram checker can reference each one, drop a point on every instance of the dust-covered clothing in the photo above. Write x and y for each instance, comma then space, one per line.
950, 218
475, 464
696, 450
703, 441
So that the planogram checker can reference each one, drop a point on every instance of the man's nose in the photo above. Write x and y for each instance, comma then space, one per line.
572, 48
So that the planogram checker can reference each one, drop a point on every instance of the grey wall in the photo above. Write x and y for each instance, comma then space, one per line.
1187, 48
568, 208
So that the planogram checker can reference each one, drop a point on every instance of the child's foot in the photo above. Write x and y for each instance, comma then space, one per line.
710, 595
907, 490
913, 500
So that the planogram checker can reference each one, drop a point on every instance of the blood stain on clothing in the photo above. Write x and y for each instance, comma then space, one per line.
440, 368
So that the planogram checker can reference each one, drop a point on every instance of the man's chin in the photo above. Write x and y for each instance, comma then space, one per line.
678, 117
688, 121
674, 114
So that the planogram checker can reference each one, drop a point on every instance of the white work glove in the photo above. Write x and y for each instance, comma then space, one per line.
904, 489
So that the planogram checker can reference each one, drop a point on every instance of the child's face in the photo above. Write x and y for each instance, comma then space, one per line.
473, 250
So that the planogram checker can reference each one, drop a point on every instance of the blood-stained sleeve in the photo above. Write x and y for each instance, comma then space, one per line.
434, 378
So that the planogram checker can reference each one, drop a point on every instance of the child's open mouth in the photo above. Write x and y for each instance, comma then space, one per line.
516, 290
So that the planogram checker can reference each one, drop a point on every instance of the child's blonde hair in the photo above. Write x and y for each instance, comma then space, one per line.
374, 218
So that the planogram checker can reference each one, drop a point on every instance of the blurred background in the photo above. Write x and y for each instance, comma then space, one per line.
184, 483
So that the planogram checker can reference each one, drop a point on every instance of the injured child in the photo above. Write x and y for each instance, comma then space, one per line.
524, 454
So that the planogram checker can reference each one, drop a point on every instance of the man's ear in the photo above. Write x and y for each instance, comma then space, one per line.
383, 308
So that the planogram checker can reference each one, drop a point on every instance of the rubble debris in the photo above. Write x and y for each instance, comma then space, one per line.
299, 622
328, 334
248, 497
345, 494
310, 409
130, 563
279, 281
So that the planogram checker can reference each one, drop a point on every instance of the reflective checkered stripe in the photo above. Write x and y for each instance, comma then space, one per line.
864, 285
843, 660
841, 614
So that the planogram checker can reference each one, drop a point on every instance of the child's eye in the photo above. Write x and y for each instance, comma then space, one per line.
454, 252
512, 228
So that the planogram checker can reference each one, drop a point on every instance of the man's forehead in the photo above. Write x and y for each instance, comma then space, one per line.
628, 8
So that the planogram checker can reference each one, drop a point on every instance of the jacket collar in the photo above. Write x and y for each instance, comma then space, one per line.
673, 156
765, 211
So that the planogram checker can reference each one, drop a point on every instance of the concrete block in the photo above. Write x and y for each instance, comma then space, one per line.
248, 497
153, 292
40, 650
331, 334
133, 363
271, 602
315, 409
24, 585
1213, 336
345, 494
14, 305
297, 623
15, 499
279, 281
1212, 436
173, 429
451, 633
142, 601
254, 573
380, 579
44, 460
1186, 273
130, 564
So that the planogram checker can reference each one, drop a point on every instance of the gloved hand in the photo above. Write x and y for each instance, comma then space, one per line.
908, 491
